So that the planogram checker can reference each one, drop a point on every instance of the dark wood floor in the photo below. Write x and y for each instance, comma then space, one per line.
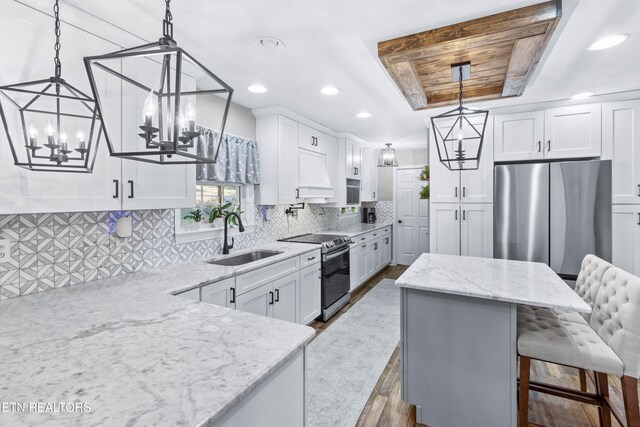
385, 407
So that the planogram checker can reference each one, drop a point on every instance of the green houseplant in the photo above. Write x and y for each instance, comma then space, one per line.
425, 192
195, 215
424, 174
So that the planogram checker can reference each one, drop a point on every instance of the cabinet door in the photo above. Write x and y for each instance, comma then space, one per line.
445, 184
374, 175
363, 263
310, 293
288, 170
220, 293
331, 145
621, 144
572, 132
477, 185
626, 237
354, 259
285, 303
311, 139
519, 136
386, 240
445, 228
378, 250
371, 257
366, 192
26, 191
477, 230
257, 301
349, 161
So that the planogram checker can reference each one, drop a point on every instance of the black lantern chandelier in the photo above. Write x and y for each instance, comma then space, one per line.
147, 97
387, 157
459, 133
53, 106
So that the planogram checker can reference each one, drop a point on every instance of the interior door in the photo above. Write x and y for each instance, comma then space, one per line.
257, 301
445, 228
411, 220
285, 292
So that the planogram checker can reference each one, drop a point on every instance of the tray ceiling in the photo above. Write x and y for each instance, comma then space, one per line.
503, 50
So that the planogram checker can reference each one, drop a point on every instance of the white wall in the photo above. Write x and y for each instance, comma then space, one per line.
240, 121
405, 158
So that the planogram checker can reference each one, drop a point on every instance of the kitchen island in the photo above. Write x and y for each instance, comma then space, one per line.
458, 335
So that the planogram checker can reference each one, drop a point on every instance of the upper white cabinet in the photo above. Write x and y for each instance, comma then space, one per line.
310, 139
519, 136
369, 192
573, 131
556, 133
621, 144
353, 165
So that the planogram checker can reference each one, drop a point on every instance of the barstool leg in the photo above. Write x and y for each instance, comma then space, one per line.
523, 401
630, 397
583, 379
602, 388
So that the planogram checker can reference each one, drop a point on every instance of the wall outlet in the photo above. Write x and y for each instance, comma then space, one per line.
5, 250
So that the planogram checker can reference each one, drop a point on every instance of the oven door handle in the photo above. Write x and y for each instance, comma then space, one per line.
332, 256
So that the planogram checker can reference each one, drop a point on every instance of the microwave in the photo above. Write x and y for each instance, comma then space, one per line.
353, 191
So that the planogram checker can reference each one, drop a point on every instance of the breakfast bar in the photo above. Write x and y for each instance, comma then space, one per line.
458, 334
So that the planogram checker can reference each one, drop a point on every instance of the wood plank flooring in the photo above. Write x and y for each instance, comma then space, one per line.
385, 407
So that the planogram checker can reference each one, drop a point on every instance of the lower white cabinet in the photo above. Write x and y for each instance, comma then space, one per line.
310, 293
354, 260
220, 293
257, 301
370, 253
363, 263
462, 229
626, 237
386, 252
285, 298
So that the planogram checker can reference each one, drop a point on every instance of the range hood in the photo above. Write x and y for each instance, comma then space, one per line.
314, 185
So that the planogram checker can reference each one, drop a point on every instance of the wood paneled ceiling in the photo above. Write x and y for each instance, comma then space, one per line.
503, 50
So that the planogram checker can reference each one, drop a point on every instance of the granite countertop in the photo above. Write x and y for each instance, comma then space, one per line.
518, 282
358, 229
137, 354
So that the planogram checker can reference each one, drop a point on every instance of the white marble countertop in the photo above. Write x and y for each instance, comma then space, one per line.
518, 282
358, 229
135, 353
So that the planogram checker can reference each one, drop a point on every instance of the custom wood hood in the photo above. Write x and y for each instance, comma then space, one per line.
503, 49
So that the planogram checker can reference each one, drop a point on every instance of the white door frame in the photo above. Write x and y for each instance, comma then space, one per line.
418, 168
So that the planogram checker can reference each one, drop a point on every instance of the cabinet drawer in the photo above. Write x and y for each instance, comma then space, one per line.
219, 293
254, 279
363, 238
308, 269
310, 258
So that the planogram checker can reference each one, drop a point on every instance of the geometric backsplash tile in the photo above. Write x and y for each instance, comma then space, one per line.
62, 249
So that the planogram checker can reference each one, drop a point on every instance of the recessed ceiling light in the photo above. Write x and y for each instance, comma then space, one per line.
363, 115
608, 41
330, 90
269, 43
582, 95
257, 88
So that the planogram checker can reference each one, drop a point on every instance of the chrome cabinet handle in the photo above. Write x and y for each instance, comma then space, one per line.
271, 296
539, 146
117, 193
233, 295
130, 189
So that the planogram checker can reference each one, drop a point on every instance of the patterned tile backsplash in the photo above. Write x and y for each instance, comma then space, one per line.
54, 250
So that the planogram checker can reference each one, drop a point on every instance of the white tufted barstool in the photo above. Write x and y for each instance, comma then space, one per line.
587, 286
609, 345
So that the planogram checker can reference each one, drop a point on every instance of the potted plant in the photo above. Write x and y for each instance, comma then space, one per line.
195, 215
217, 215
425, 192
233, 221
424, 174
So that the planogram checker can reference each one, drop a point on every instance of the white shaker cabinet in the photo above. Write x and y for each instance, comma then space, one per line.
621, 144
310, 293
445, 228
626, 237
445, 184
476, 186
354, 265
257, 301
220, 293
369, 177
476, 236
285, 297
519, 136
363, 262
310, 139
573, 132
353, 159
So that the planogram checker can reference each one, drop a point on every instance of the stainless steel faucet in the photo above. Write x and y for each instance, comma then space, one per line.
227, 246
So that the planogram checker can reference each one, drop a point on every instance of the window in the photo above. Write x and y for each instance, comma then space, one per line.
210, 197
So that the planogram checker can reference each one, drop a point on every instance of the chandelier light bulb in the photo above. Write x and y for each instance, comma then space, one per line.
64, 137
49, 129
149, 108
33, 131
80, 135
182, 122
190, 113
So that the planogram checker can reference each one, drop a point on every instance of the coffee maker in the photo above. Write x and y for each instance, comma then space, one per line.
369, 215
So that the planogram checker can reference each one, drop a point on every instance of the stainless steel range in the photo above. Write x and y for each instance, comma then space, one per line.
335, 269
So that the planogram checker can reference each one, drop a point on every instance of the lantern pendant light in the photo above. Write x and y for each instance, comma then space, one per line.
147, 99
387, 157
51, 105
459, 133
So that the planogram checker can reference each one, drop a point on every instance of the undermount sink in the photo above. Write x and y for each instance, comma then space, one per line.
244, 258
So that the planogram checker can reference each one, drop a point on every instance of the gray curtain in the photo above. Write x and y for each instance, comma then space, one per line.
237, 163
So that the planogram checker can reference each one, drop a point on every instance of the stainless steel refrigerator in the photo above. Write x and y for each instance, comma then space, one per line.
554, 213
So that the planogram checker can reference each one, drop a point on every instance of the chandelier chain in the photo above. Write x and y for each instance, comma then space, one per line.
56, 46
167, 25
460, 79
